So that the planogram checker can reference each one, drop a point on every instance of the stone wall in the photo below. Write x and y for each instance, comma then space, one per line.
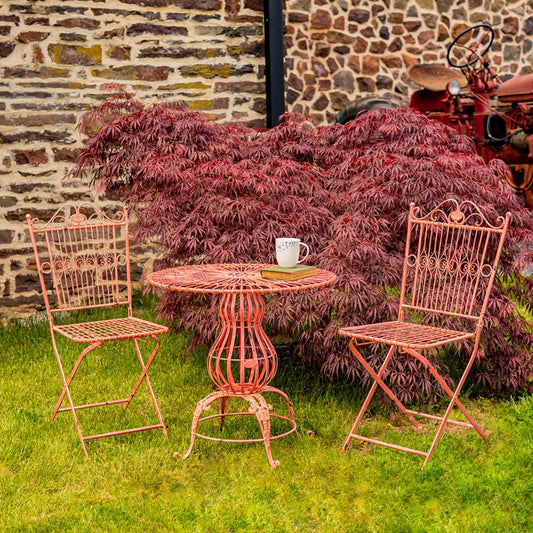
54, 57
56, 54
338, 50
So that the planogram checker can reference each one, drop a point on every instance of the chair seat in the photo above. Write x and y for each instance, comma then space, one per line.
405, 334
110, 330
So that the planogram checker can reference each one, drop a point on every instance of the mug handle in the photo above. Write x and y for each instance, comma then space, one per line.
307, 252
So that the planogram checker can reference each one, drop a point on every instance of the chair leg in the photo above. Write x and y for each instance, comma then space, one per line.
367, 399
72, 374
448, 390
66, 390
377, 378
144, 375
453, 402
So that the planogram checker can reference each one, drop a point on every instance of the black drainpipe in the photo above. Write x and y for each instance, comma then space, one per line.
275, 73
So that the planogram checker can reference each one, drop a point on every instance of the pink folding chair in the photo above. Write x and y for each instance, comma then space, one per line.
83, 260
451, 257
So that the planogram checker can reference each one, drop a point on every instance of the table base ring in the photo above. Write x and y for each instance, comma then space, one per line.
258, 408
272, 437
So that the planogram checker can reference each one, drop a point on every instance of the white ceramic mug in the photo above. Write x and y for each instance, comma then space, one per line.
288, 251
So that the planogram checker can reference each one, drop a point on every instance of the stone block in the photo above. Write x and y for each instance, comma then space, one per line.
200, 5
41, 21
14, 19
8, 201
366, 85
85, 23
338, 100
383, 82
73, 37
291, 96
344, 80
37, 119
119, 52
333, 64
36, 136
30, 157
354, 62
134, 72
528, 26
510, 25
212, 71
320, 103
412, 25
204, 105
6, 48
370, 65
27, 282
115, 33
360, 16
309, 93
321, 19
395, 18
255, 5
378, 47
6, 236
154, 29
19, 301
65, 154
41, 72
342, 49
259, 105
425, 36
391, 61
32, 36
295, 82
335, 36
75, 55
298, 17
253, 48
240, 87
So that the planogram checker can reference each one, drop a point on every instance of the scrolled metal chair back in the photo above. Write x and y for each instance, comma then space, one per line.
450, 260
83, 258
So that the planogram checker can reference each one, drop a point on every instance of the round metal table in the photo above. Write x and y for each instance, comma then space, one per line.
242, 360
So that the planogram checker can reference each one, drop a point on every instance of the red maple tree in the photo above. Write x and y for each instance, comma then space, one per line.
214, 193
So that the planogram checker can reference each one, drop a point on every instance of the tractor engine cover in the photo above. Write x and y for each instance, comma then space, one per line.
519, 89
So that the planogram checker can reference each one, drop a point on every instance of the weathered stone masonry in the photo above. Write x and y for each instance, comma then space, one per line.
54, 57
56, 54
339, 49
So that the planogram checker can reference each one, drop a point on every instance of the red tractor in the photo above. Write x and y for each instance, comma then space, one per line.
473, 100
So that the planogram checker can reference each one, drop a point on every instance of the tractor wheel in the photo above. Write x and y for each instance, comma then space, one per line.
366, 103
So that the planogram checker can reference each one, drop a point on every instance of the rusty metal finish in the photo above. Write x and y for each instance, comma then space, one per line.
434, 77
242, 360
83, 262
235, 278
451, 257
406, 334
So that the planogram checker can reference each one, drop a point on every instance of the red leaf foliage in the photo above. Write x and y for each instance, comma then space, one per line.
214, 193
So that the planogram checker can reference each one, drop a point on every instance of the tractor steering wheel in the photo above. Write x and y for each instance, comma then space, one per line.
475, 54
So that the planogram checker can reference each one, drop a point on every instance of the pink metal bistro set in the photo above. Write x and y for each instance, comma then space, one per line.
83, 261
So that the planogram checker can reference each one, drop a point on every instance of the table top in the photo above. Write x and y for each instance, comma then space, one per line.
232, 278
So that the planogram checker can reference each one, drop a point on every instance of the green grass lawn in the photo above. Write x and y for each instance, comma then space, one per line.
131, 483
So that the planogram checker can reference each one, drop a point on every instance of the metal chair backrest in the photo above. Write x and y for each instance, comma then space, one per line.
83, 258
451, 257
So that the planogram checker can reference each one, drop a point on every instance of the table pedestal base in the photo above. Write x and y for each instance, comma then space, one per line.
257, 406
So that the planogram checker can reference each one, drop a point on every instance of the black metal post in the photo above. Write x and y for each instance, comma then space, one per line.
275, 72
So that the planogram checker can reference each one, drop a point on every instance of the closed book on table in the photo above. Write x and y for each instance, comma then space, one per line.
292, 273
